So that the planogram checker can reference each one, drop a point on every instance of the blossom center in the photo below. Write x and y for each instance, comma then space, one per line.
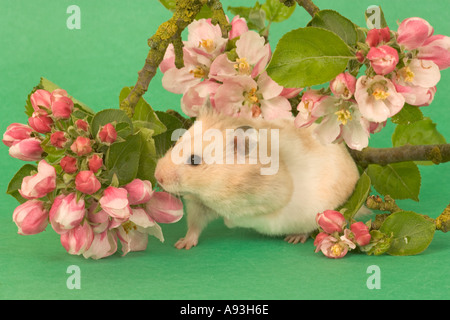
207, 44
344, 116
250, 96
198, 72
128, 226
242, 66
407, 74
336, 250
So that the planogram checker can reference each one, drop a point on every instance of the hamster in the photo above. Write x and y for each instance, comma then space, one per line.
283, 200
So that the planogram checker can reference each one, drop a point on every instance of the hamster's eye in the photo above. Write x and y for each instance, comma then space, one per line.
194, 160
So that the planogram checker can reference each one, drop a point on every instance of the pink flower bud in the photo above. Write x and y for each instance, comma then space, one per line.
38, 185
40, 98
361, 233
377, 36
87, 182
343, 86
413, 32
437, 49
107, 134
58, 139
383, 59
164, 208
103, 245
62, 105
311, 99
115, 202
40, 121
95, 163
360, 56
139, 191
16, 132
98, 220
82, 125
66, 212
238, 27
81, 146
27, 149
31, 217
78, 240
331, 221
69, 164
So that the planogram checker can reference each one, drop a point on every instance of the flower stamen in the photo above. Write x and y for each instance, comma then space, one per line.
198, 72
208, 44
344, 116
242, 66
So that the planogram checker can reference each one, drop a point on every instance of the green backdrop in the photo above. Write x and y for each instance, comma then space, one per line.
93, 64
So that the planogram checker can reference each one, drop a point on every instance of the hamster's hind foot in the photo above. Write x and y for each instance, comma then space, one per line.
296, 238
186, 243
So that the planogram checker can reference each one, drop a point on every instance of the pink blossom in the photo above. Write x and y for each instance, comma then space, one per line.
115, 202
69, 164
332, 247
41, 98
310, 100
87, 182
253, 54
40, 121
95, 162
66, 212
377, 98
331, 221
242, 96
27, 149
195, 97
383, 59
79, 239
99, 220
62, 105
361, 233
164, 208
30, 217
205, 39
81, 146
103, 245
82, 125
238, 27
437, 49
58, 139
39, 184
413, 32
343, 86
139, 191
16, 132
289, 93
107, 134
377, 36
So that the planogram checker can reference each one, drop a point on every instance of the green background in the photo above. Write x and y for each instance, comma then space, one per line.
93, 64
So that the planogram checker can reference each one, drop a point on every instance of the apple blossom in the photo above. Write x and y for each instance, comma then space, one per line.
62, 105
99, 220
81, 146
377, 36
238, 27
87, 182
40, 98
39, 184
413, 32
82, 125
30, 217
16, 132
27, 149
331, 221
103, 245
205, 39
139, 191
383, 59
164, 208
310, 100
115, 202
66, 212
344, 85
107, 134
95, 162
361, 233
68, 164
437, 49
377, 98
195, 97
58, 139
79, 239
40, 121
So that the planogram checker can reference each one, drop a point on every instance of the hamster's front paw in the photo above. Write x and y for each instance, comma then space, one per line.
186, 243
296, 238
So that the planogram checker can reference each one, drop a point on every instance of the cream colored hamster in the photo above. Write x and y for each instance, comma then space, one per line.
309, 177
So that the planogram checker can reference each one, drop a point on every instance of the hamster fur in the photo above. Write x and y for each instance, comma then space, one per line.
311, 178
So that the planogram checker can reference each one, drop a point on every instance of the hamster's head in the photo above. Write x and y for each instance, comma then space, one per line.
226, 162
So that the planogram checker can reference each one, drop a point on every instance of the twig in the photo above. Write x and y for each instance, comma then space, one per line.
437, 153
219, 17
308, 5
376, 203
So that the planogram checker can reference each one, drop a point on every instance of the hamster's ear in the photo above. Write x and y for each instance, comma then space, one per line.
245, 140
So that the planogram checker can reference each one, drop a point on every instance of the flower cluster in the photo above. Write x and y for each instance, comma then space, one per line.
229, 72
73, 190
335, 240
402, 66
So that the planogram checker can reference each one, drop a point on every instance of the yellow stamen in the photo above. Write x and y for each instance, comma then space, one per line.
251, 97
336, 250
198, 72
344, 116
406, 74
242, 66
380, 94
208, 44
128, 226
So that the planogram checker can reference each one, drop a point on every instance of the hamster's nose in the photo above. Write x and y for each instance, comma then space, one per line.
159, 177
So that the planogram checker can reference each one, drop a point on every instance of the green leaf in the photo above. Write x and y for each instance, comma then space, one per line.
409, 114
333, 21
412, 233
420, 132
169, 4
205, 13
122, 159
147, 161
124, 126
399, 180
276, 11
358, 198
255, 16
144, 116
16, 182
379, 243
375, 17
163, 142
308, 56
